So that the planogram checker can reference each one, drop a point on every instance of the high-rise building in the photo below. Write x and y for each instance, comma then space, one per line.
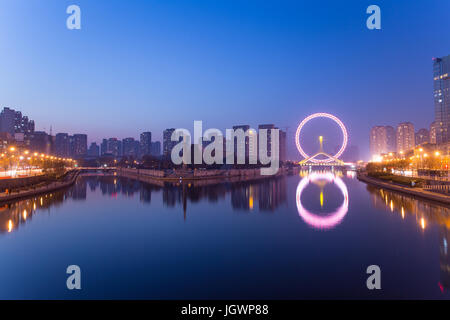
391, 139
145, 143
62, 145
378, 140
22, 124
94, 150
242, 148
104, 147
79, 145
156, 149
130, 147
5, 140
267, 127
12, 121
433, 128
7, 120
405, 137
168, 144
441, 93
422, 136
39, 141
114, 147
282, 146
120, 147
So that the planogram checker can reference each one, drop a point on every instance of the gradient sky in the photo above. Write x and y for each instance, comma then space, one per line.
149, 65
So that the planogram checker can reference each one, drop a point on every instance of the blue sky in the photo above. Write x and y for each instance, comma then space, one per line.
149, 65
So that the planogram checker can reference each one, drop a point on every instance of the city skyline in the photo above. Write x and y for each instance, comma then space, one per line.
384, 140
175, 71
17, 132
64, 144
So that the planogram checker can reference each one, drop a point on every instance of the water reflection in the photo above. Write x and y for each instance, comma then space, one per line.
424, 213
315, 219
404, 205
444, 257
264, 195
16, 213
255, 224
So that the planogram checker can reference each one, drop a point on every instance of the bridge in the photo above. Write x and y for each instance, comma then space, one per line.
330, 160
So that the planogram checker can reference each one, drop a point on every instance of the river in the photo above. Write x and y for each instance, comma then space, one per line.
305, 236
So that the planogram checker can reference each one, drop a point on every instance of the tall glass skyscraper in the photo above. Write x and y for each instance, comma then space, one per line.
441, 86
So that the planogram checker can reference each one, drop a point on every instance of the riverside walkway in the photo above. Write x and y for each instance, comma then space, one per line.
417, 192
40, 188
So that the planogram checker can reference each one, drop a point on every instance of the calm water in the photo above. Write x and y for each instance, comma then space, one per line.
285, 238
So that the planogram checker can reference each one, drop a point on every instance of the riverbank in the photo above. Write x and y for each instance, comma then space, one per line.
417, 192
40, 188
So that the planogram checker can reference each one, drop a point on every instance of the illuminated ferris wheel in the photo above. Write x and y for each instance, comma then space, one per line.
329, 159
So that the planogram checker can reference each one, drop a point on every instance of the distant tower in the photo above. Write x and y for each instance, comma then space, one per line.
321, 143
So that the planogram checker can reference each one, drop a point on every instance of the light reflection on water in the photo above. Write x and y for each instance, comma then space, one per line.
423, 213
332, 219
262, 236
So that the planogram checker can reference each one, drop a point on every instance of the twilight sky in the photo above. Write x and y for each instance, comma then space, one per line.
148, 65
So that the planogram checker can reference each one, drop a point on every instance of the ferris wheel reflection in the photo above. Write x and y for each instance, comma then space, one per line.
332, 219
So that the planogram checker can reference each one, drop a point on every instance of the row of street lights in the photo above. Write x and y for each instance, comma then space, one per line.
15, 159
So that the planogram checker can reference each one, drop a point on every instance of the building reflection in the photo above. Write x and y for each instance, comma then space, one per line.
266, 194
14, 214
263, 194
321, 179
424, 213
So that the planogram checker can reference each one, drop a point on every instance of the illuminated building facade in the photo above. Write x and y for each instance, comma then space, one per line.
422, 136
12, 121
168, 144
130, 147
145, 143
391, 139
62, 145
433, 128
441, 93
405, 137
378, 140
79, 145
